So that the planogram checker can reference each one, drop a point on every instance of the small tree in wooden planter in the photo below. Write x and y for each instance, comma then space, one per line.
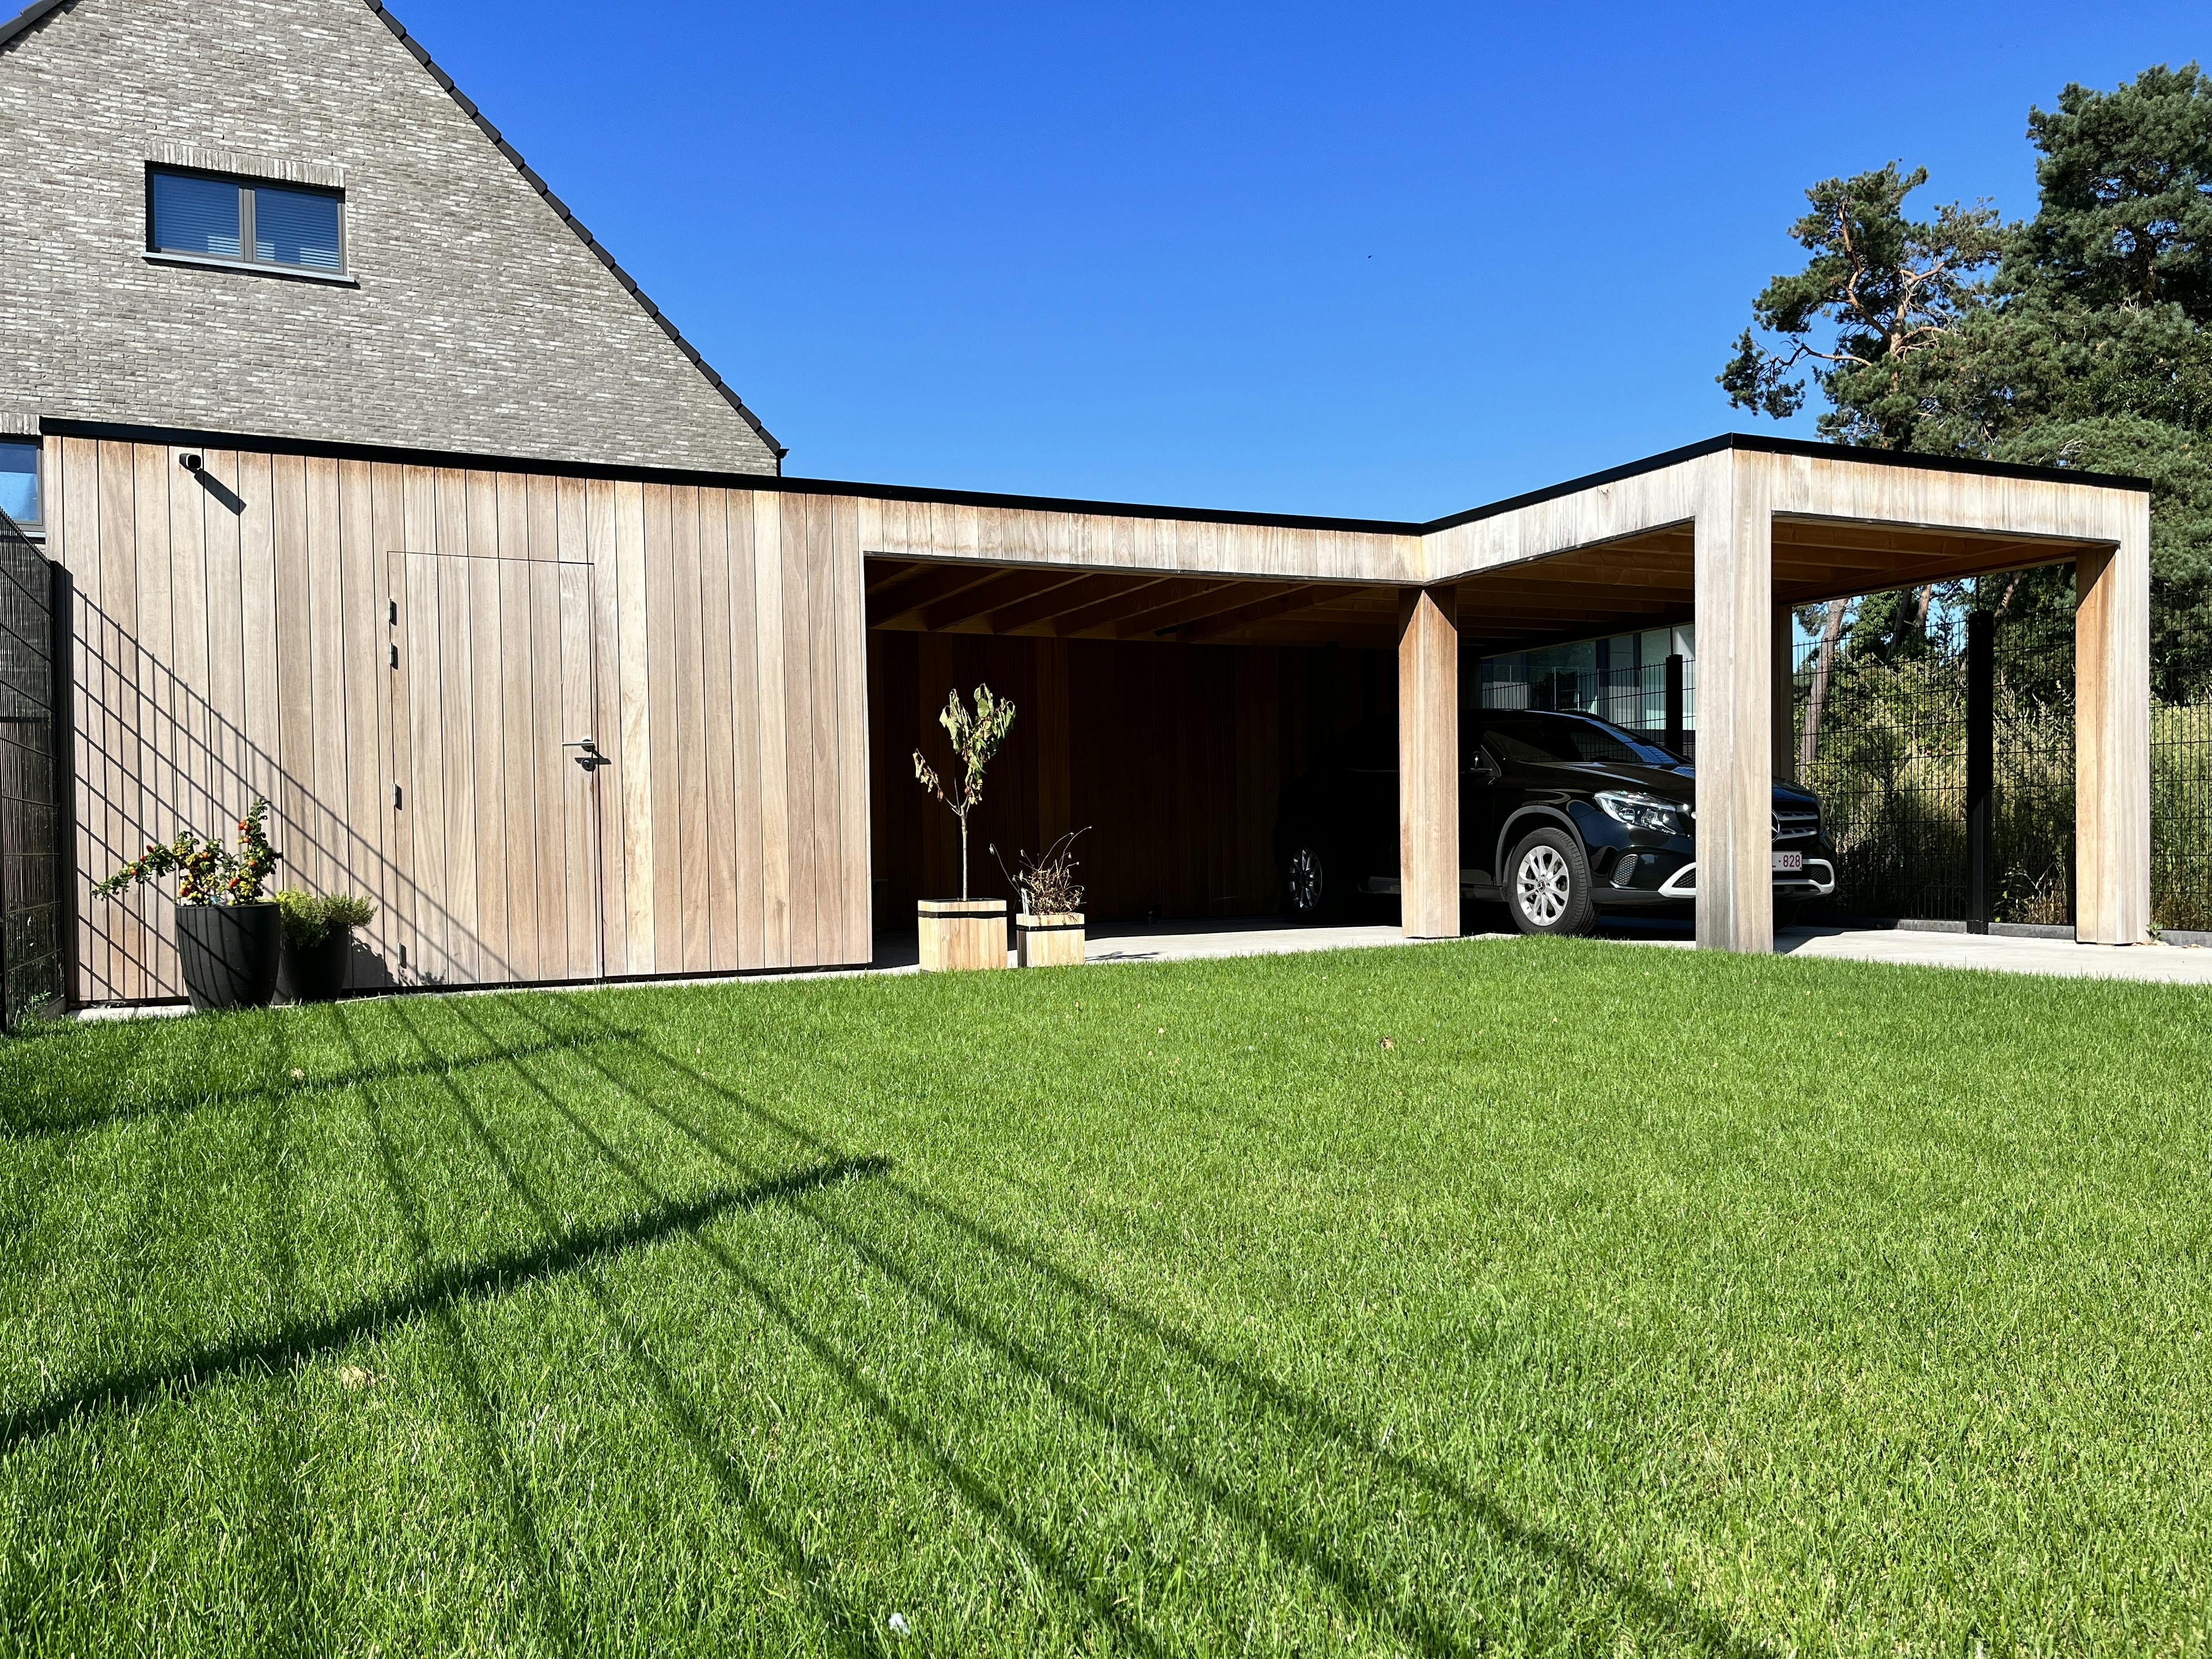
964, 932
227, 935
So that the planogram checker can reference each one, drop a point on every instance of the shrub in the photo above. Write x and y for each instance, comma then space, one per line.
309, 918
207, 872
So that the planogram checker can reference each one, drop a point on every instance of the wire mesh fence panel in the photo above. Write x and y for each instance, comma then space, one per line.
31, 820
2031, 834
1634, 699
2181, 810
1882, 740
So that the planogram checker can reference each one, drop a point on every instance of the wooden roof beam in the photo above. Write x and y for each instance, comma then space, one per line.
1153, 595
886, 576
1087, 588
1174, 617
1003, 589
1245, 615
900, 605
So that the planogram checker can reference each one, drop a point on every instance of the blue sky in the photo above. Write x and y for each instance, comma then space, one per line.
1390, 260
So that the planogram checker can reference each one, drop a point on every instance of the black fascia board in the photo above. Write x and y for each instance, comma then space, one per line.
1760, 443
400, 455
782, 483
28, 18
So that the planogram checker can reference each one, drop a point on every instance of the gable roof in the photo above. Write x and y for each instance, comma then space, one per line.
37, 13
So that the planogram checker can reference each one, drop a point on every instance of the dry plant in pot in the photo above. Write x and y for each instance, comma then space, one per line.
227, 935
1049, 931
964, 932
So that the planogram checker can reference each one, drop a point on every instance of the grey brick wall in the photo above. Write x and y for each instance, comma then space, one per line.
481, 322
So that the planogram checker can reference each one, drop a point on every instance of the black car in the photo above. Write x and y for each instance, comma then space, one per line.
1562, 817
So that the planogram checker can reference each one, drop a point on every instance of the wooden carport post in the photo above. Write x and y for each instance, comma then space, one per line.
1428, 761
1735, 600
2111, 765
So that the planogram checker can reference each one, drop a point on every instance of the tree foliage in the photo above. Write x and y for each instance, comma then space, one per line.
2080, 337
1878, 307
975, 740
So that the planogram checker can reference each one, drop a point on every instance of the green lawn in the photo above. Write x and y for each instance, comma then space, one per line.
1623, 1301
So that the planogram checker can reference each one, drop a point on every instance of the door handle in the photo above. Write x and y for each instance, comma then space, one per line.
588, 756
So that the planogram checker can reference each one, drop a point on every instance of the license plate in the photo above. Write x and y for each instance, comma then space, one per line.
1793, 862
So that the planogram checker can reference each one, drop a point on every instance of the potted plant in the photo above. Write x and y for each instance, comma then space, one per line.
964, 932
227, 935
318, 943
1048, 928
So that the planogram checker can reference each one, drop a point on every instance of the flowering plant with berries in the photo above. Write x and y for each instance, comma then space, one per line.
207, 872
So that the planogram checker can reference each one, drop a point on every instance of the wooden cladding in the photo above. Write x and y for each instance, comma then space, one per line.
234, 636
491, 673
1172, 760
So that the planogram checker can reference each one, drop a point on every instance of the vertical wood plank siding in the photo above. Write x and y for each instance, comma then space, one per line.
233, 637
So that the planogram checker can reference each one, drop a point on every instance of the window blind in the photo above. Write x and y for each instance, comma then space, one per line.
196, 215
295, 228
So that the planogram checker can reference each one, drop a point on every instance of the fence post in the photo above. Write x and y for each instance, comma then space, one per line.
1674, 702
7, 985
1981, 763
62, 663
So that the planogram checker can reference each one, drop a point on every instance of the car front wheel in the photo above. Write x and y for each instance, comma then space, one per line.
1548, 884
1305, 882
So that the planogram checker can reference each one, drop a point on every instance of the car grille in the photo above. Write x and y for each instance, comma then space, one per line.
1796, 825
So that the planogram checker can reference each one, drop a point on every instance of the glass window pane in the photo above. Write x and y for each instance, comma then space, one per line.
18, 481
295, 228
196, 216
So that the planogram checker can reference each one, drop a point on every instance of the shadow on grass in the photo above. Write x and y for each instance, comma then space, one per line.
282, 1589
523, 1536
736, 1485
441, 1286
1651, 1607
101, 1101
81, 1070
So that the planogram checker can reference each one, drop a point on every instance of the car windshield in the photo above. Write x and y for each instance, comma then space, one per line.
1569, 738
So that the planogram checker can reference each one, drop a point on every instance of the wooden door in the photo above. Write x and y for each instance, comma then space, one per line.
492, 691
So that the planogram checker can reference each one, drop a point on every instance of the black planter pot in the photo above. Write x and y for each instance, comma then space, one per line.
230, 953
316, 973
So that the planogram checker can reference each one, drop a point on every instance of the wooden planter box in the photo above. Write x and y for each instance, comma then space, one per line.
1050, 941
962, 933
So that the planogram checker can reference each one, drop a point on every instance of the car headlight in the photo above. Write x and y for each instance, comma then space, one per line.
1640, 812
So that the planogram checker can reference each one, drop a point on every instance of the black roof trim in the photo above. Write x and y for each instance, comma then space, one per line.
28, 19
401, 455
1760, 443
183, 438
468, 108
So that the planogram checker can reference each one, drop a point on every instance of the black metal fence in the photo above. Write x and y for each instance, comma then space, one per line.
1658, 700
1883, 738
2181, 808
33, 780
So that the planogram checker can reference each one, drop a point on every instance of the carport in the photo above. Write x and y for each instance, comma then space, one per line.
1173, 668
403, 652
